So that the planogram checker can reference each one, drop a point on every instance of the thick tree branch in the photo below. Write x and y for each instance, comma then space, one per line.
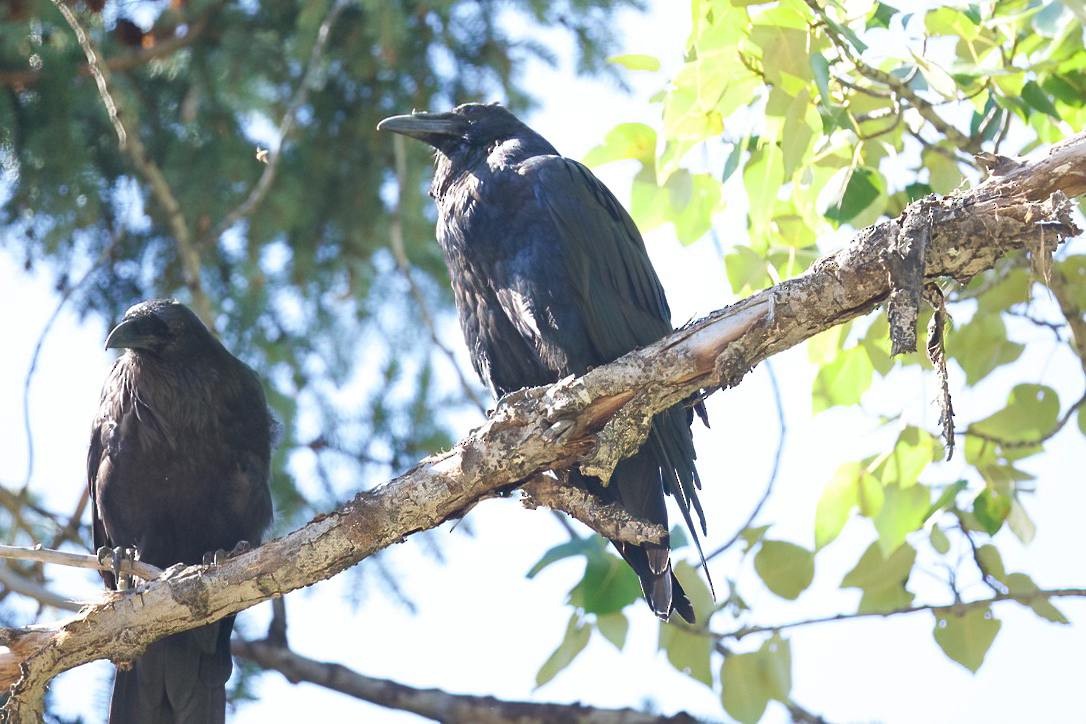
434, 703
971, 230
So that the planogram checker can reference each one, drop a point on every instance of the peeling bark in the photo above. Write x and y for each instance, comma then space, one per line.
1028, 208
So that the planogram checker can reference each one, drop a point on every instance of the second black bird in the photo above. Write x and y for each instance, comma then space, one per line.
551, 277
178, 467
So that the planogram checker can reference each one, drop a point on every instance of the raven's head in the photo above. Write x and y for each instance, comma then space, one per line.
163, 327
468, 126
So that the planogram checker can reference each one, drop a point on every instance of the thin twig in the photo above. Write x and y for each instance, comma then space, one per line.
403, 263
781, 436
104, 255
78, 560
898, 87
1012, 444
950, 608
286, 125
131, 144
16, 583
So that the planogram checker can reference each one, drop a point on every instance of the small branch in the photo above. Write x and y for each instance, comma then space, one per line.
1012, 444
78, 560
434, 703
286, 125
609, 520
899, 87
105, 254
1058, 283
119, 63
986, 576
16, 583
132, 145
781, 437
951, 608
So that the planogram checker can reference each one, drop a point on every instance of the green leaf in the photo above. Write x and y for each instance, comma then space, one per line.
981, 345
608, 585
820, 68
573, 643
578, 547
947, 497
1036, 98
694, 218
784, 50
636, 61
911, 454
863, 187
874, 570
1012, 288
838, 499
1032, 412
746, 270
939, 541
697, 590
745, 692
966, 638
624, 141
904, 511
798, 132
1020, 583
990, 509
785, 568
1019, 522
992, 562
843, 381
880, 18
943, 173
762, 178
750, 680
688, 652
614, 627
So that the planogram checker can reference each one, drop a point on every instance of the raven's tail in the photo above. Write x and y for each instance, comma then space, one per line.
635, 485
180, 679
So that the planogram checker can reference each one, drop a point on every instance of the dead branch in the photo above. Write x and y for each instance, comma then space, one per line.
1024, 210
434, 703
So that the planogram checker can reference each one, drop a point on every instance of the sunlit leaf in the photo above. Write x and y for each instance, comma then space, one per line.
636, 61
981, 345
1022, 584
990, 509
843, 381
785, 568
688, 652
903, 511
573, 643
614, 627
966, 638
624, 141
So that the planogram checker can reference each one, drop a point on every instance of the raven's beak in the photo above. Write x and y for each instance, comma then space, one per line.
132, 334
425, 126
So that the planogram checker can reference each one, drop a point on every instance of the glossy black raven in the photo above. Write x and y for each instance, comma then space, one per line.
178, 467
551, 277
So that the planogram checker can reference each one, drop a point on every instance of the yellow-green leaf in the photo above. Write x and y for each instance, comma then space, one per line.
688, 652
966, 638
636, 61
614, 627
573, 643
903, 511
785, 568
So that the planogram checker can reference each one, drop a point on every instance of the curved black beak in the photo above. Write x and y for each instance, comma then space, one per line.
138, 333
425, 126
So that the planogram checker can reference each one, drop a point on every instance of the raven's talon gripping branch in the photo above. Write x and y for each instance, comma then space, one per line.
115, 558
220, 556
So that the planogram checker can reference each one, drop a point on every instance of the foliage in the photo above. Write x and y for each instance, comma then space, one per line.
801, 116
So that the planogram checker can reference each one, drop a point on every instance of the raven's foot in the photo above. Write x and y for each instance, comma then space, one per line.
559, 430
221, 556
115, 558
524, 393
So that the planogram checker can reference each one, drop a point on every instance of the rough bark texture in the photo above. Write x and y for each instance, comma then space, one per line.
1025, 208
434, 703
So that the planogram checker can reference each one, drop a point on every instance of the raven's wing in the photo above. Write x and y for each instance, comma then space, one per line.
576, 281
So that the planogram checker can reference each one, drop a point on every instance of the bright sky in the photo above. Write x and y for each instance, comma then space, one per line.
482, 628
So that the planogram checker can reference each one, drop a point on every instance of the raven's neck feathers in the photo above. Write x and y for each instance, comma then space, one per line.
454, 166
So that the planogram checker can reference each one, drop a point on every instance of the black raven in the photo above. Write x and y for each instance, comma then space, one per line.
177, 467
551, 277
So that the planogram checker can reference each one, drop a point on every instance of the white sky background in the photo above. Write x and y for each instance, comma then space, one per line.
482, 628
